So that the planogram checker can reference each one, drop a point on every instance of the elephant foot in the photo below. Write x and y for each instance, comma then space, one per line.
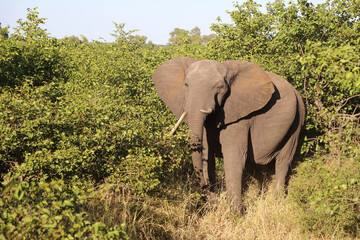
208, 187
209, 200
236, 204
210, 197
279, 192
237, 208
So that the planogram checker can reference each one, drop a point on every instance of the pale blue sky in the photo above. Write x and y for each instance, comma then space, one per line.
94, 18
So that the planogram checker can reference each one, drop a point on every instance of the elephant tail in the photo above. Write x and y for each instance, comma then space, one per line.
301, 109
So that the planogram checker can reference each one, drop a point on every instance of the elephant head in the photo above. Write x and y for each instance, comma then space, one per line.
201, 88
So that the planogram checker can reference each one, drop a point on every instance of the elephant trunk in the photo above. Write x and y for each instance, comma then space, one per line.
196, 126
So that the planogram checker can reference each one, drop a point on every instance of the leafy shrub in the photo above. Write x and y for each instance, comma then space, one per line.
99, 126
41, 210
328, 196
30, 55
331, 89
84, 134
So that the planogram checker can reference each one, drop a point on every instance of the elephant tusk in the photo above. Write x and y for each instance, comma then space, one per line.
178, 123
206, 111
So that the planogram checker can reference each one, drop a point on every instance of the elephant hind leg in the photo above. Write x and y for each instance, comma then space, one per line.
287, 152
283, 160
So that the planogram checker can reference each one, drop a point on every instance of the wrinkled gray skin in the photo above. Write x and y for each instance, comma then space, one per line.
235, 110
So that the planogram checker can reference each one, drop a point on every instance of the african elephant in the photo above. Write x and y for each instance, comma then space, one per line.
236, 110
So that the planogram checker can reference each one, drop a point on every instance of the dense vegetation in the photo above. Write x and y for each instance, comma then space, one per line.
84, 150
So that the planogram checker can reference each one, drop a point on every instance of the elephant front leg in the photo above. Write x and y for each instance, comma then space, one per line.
234, 143
208, 160
234, 163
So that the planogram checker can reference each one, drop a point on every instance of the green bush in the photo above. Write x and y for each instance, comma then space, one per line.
98, 126
86, 134
332, 88
30, 55
328, 196
41, 210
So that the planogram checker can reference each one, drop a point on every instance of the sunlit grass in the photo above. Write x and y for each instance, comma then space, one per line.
188, 217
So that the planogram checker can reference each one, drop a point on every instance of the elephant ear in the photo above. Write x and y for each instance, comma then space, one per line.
250, 89
169, 81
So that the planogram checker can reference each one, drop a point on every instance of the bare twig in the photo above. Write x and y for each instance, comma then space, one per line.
300, 46
347, 99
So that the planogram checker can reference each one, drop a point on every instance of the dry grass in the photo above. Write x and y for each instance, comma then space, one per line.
266, 217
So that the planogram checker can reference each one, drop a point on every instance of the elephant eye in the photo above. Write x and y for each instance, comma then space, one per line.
186, 84
220, 87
